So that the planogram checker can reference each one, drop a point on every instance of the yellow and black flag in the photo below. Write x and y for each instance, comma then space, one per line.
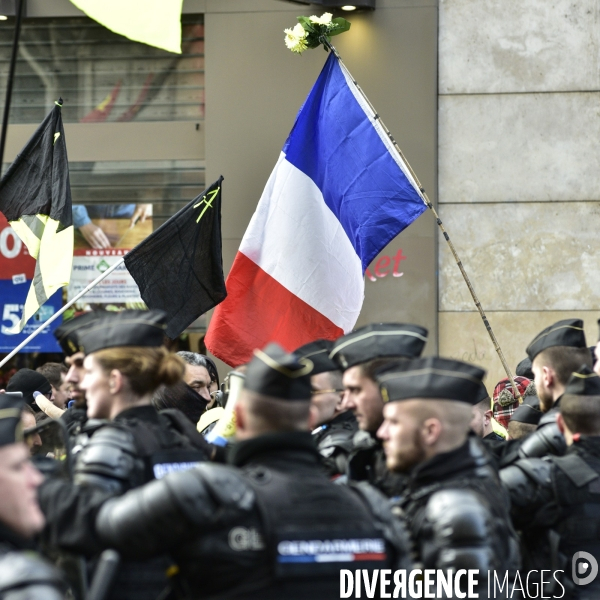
35, 197
179, 268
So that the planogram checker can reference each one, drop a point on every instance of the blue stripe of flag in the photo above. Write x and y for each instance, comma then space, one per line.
335, 144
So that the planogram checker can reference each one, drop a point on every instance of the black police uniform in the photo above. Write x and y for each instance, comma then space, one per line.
459, 492
139, 445
366, 461
556, 501
334, 442
453, 503
333, 439
271, 525
556, 507
546, 439
23, 573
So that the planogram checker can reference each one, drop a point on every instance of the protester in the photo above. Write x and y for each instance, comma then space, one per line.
198, 374
181, 397
227, 526
27, 382
453, 503
55, 374
124, 364
28, 421
23, 573
335, 424
504, 400
360, 354
555, 501
482, 423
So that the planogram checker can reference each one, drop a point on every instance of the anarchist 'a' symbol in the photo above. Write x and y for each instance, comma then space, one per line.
207, 201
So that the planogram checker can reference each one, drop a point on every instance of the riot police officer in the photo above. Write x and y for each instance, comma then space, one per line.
270, 525
360, 354
335, 424
124, 364
453, 503
23, 574
556, 499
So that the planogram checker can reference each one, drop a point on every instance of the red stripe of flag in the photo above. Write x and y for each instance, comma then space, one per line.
259, 310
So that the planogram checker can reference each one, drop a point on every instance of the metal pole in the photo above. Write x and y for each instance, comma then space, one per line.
11, 77
429, 205
62, 310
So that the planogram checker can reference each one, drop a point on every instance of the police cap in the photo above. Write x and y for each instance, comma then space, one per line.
379, 340
318, 353
273, 372
67, 333
432, 377
563, 333
526, 413
583, 383
127, 328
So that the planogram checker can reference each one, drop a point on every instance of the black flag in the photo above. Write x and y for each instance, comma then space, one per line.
35, 197
179, 268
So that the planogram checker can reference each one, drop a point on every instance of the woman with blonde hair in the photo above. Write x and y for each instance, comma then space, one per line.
125, 362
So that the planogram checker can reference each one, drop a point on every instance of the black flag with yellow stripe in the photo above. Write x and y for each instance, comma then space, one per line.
179, 268
35, 197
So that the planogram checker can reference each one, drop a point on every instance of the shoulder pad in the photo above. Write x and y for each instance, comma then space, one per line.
461, 530
226, 485
171, 510
548, 418
543, 441
525, 477
28, 576
108, 459
576, 469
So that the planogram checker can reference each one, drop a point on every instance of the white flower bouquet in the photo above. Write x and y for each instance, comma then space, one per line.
311, 32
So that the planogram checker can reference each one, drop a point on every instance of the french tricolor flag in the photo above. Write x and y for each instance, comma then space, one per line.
338, 195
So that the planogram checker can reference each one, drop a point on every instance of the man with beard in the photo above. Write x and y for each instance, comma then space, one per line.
23, 574
360, 354
67, 336
453, 503
555, 353
335, 424
556, 500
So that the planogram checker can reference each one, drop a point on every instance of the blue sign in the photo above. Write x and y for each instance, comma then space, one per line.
12, 298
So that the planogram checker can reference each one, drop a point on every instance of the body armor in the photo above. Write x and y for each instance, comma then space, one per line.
276, 528
456, 512
556, 506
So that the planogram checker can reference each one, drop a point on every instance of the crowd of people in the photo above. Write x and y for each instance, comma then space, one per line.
349, 456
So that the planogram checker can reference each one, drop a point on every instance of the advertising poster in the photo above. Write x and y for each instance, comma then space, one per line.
16, 272
104, 234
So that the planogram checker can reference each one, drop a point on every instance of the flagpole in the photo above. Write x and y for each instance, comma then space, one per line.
62, 310
429, 205
11, 77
